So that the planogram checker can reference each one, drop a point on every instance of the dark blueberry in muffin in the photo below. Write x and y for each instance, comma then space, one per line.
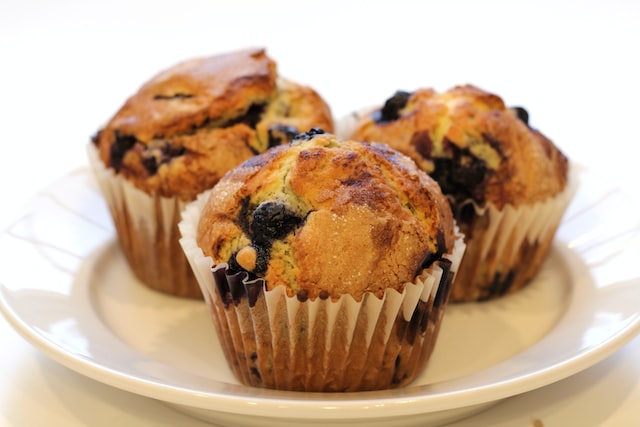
158, 153
281, 133
272, 221
308, 135
269, 221
150, 164
119, 148
250, 118
461, 176
391, 109
522, 114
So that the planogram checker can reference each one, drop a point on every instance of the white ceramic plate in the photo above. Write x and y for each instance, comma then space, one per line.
67, 289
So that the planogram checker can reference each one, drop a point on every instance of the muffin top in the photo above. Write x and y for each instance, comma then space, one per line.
327, 218
191, 123
474, 146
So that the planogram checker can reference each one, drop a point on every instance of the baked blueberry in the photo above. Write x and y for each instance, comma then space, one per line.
391, 109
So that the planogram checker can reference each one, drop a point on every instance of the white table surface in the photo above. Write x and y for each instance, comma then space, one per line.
66, 66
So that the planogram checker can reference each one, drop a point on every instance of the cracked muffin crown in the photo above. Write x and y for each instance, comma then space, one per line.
327, 218
468, 140
191, 123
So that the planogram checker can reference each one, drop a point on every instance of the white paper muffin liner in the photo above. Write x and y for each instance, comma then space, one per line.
506, 247
147, 230
276, 341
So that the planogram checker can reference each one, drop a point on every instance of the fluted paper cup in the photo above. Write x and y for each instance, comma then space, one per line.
147, 230
283, 342
506, 247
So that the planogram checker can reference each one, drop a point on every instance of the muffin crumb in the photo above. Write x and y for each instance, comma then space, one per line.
247, 258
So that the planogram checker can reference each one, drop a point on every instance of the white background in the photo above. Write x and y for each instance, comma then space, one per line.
67, 66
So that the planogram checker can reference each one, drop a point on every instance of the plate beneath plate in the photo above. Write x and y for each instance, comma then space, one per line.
69, 292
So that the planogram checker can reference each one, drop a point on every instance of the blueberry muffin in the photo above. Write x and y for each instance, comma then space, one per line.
332, 264
177, 136
507, 183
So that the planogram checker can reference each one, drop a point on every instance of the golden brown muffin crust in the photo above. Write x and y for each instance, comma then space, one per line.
471, 143
360, 217
192, 122
195, 91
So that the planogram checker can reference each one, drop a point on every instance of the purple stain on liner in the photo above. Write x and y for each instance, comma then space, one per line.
445, 283
232, 287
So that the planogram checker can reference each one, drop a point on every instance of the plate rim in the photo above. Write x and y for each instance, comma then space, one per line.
335, 406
